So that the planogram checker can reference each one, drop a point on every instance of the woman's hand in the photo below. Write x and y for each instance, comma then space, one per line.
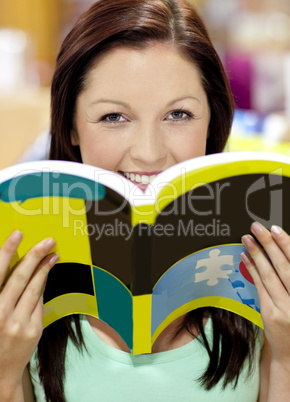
272, 280
21, 309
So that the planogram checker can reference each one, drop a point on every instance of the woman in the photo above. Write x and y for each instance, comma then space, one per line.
138, 87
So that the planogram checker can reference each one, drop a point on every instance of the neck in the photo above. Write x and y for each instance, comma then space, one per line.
165, 341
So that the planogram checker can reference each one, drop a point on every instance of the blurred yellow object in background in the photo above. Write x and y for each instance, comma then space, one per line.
257, 143
23, 115
42, 21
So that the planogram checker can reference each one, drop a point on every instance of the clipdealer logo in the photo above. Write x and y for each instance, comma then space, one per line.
274, 184
269, 185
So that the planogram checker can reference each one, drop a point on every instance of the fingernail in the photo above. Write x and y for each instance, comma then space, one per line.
276, 229
54, 258
257, 227
16, 236
247, 240
49, 243
245, 258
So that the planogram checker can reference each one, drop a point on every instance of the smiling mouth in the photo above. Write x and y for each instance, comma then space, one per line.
140, 178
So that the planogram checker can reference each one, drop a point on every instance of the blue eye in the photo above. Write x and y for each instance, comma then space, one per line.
180, 115
113, 118
177, 115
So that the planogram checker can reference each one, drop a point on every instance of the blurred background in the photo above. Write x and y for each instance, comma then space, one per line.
252, 38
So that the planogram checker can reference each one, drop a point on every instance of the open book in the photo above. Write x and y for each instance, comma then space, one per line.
139, 260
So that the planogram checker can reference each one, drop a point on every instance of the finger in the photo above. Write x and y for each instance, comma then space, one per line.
276, 253
36, 318
23, 272
267, 273
7, 252
35, 288
261, 290
282, 239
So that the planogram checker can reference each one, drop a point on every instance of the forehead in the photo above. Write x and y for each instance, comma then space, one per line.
157, 64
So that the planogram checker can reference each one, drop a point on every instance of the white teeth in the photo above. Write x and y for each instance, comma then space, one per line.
143, 179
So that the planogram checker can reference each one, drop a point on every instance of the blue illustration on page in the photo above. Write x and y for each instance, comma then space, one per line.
215, 271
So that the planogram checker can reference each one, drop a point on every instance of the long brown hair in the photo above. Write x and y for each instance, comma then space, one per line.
109, 24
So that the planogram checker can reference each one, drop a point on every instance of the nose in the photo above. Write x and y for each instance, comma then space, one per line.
149, 147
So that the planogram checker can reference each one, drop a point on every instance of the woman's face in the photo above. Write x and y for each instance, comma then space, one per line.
141, 112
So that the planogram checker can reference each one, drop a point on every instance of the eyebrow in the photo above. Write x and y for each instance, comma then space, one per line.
183, 98
110, 101
116, 102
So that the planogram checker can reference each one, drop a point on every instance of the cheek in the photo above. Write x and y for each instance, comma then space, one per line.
195, 148
190, 147
99, 151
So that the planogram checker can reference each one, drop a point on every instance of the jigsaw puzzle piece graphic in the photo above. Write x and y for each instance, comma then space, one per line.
214, 268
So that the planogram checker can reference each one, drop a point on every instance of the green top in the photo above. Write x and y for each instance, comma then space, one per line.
107, 374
